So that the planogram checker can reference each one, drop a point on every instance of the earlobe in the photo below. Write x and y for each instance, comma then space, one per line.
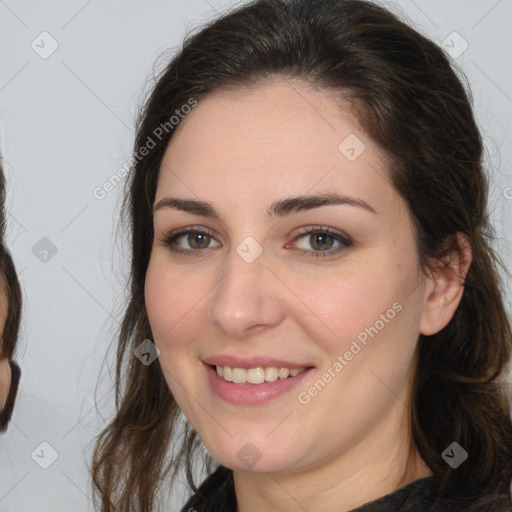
445, 288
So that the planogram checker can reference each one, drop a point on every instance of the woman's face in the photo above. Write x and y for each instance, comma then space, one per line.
347, 304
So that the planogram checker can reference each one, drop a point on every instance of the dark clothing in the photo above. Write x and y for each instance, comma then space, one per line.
218, 495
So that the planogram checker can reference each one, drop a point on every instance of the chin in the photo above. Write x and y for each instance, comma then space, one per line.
251, 456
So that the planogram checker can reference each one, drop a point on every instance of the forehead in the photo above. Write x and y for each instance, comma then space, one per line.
278, 138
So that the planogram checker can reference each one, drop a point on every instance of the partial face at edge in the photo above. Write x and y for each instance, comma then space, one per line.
241, 152
5, 369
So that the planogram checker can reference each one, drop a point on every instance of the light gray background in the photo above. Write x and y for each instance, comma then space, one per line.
66, 126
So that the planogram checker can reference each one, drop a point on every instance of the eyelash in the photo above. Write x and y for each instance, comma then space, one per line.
345, 241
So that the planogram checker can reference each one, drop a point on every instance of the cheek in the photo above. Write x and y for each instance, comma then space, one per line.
171, 298
176, 304
371, 312
340, 306
172, 301
160, 301
367, 334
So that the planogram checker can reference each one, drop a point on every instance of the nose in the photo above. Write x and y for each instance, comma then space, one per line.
248, 299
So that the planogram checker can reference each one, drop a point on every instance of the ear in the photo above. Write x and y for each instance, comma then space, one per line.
444, 287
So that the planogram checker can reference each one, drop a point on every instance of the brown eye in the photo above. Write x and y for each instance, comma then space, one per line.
322, 240
198, 240
189, 241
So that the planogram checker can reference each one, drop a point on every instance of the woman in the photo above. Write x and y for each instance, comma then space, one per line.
311, 258
10, 313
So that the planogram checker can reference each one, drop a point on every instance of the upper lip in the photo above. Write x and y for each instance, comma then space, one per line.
252, 362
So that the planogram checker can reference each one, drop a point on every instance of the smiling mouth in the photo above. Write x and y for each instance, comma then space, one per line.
257, 375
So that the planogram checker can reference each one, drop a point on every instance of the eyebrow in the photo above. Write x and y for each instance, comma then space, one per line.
277, 209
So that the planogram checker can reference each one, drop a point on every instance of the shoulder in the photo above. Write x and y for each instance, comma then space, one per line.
423, 495
215, 494
483, 503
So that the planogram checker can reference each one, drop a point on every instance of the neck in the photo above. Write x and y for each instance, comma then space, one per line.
378, 464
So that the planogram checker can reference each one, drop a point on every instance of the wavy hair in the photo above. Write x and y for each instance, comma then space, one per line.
10, 288
10, 284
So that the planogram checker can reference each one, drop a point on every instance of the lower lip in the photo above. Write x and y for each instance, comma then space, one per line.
252, 393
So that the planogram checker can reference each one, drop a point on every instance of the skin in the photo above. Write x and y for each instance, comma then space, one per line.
5, 369
241, 151
5, 381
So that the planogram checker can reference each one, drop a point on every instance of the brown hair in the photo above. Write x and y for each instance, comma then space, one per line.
409, 99
9, 284
11, 290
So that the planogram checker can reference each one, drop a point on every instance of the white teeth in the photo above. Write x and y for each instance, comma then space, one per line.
239, 375
226, 374
271, 374
256, 375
